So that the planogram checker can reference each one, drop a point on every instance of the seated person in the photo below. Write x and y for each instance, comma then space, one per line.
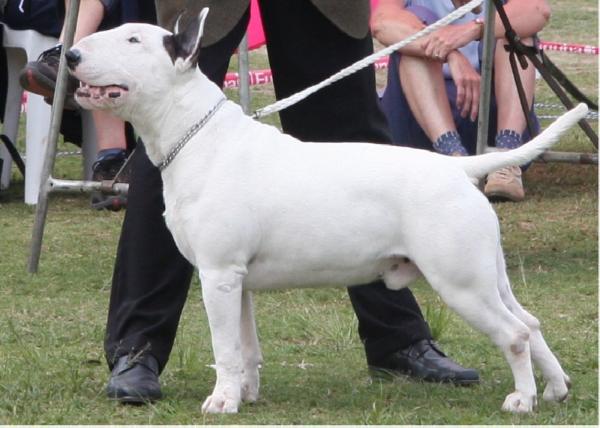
432, 95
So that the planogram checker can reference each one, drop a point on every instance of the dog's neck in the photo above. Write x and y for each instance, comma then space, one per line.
162, 125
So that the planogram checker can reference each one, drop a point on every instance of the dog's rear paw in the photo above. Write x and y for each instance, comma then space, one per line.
217, 403
558, 391
517, 402
249, 393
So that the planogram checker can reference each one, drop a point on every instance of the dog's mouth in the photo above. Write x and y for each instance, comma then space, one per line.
113, 91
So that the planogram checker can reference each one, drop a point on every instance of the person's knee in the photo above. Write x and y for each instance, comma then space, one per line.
420, 69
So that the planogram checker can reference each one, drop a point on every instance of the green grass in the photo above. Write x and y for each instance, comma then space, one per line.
52, 368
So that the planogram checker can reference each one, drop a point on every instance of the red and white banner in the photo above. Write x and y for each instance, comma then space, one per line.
569, 47
256, 77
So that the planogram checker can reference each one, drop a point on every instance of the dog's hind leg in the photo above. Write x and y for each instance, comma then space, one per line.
472, 292
558, 383
252, 357
222, 295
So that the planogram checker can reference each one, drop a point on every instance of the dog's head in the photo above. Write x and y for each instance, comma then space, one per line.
113, 66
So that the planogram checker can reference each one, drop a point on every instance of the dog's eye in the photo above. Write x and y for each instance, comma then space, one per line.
133, 39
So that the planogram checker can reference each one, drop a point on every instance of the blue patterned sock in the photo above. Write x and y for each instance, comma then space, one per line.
110, 153
450, 144
508, 139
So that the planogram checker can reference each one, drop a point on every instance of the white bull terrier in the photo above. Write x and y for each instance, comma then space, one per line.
254, 208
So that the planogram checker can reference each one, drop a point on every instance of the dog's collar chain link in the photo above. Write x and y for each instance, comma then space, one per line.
188, 135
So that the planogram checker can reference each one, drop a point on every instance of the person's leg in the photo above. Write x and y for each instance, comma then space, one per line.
112, 153
506, 184
424, 86
423, 83
111, 143
110, 131
305, 48
149, 287
151, 278
510, 115
403, 125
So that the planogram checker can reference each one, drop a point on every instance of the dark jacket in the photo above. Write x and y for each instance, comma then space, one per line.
350, 16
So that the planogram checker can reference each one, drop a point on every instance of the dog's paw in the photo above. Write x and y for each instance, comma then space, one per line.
250, 385
557, 391
218, 403
517, 402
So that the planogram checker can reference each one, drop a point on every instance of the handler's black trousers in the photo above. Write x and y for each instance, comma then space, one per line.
151, 278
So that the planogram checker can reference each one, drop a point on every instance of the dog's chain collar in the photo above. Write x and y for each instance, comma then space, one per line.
188, 135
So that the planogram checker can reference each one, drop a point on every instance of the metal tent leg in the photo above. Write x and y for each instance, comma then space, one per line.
487, 67
244, 69
55, 120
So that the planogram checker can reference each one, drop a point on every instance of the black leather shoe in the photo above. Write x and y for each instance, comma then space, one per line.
134, 379
423, 360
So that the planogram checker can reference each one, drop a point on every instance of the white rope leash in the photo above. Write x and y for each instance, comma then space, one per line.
365, 62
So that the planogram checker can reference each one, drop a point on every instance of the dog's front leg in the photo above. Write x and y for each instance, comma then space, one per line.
222, 294
250, 351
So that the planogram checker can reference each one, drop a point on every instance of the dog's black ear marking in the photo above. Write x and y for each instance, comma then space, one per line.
171, 47
183, 47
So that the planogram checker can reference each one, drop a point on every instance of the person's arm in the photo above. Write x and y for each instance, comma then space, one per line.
527, 17
391, 22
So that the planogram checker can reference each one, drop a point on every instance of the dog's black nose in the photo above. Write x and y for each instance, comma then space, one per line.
73, 58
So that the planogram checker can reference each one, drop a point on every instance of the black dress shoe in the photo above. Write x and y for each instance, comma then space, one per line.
134, 379
424, 361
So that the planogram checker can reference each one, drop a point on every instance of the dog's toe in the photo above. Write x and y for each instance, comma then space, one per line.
556, 392
517, 402
220, 404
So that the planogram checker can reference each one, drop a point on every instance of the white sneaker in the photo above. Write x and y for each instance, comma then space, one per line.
505, 185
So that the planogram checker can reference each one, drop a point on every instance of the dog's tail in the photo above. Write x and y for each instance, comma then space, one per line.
480, 166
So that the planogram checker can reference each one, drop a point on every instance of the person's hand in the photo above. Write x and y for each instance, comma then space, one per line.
441, 42
467, 81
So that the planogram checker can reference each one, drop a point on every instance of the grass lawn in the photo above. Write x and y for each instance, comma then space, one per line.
52, 368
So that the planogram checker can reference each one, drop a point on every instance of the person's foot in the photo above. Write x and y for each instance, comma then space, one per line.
39, 77
106, 167
505, 184
423, 360
134, 380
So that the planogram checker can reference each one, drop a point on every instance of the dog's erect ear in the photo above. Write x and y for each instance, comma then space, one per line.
183, 47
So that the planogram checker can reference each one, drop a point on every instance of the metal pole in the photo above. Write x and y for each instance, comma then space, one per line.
244, 69
489, 40
55, 121
568, 157
83, 186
